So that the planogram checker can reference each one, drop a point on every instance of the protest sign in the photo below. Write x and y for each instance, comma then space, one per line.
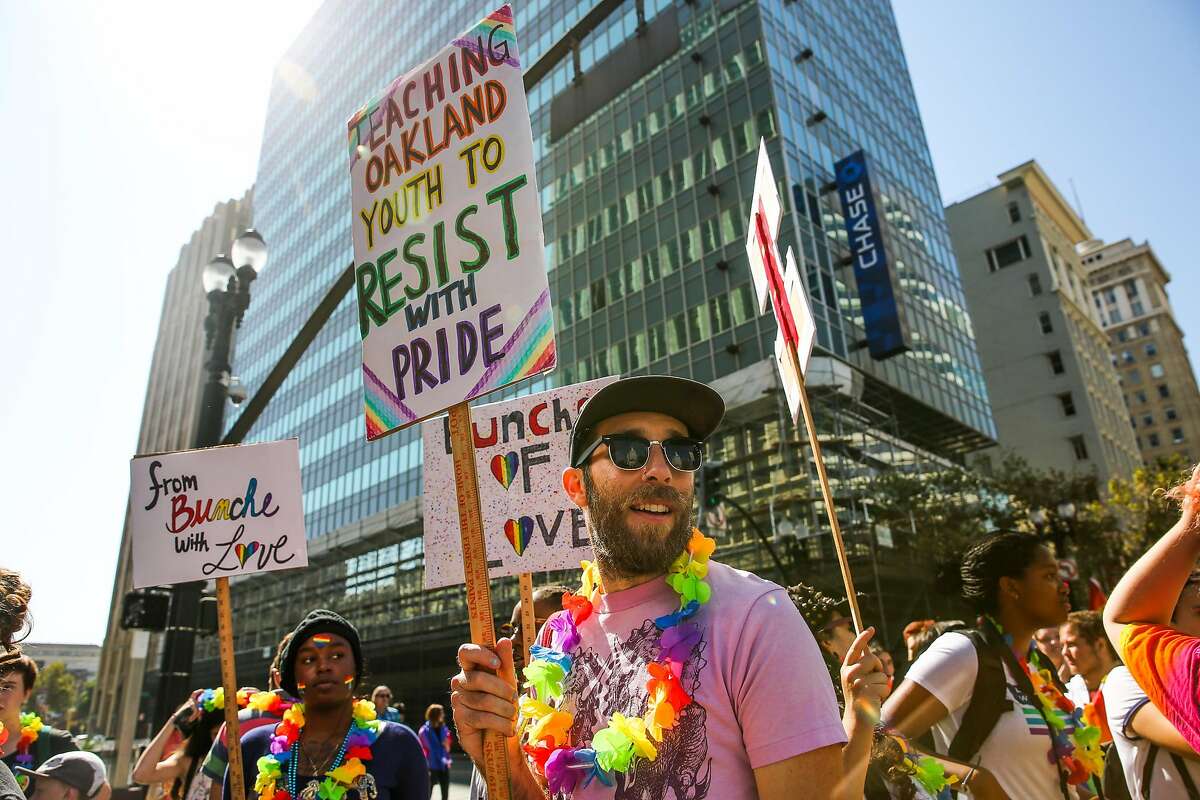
217, 512
780, 289
521, 449
806, 333
453, 300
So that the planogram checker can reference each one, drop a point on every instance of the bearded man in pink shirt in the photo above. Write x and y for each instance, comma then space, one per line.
758, 717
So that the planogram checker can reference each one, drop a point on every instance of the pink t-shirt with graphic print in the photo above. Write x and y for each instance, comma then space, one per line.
762, 692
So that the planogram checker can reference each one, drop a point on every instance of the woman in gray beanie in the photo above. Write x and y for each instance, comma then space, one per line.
329, 747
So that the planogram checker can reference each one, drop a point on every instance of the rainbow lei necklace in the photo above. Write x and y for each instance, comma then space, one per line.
285, 750
31, 724
546, 731
214, 699
1075, 743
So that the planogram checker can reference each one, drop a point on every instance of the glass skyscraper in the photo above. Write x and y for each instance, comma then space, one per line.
646, 138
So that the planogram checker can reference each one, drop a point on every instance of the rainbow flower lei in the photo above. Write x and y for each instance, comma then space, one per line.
545, 731
285, 745
1075, 743
214, 699
31, 725
924, 771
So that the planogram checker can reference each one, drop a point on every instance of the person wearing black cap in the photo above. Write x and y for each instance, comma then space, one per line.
328, 746
760, 718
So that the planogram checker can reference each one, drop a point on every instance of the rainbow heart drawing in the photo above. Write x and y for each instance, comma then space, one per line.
504, 467
519, 532
243, 552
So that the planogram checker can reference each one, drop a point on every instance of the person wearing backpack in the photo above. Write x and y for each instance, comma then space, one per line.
990, 697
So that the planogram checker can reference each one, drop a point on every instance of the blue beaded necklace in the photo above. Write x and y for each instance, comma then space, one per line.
310, 791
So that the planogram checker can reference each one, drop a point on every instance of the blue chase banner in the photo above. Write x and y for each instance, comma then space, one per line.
887, 331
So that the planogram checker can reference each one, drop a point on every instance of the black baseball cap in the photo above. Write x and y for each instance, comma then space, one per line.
79, 769
695, 404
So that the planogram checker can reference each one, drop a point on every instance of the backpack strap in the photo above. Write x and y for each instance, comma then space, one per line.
988, 699
1148, 770
41, 748
1184, 775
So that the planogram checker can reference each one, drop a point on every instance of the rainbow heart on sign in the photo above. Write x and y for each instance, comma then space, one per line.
504, 467
243, 552
519, 532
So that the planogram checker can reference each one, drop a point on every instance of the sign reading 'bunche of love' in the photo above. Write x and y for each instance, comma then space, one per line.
450, 271
521, 449
215, 513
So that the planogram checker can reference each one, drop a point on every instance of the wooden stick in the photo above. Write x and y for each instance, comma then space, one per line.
233, 741
528, 619
478, 587
838, 543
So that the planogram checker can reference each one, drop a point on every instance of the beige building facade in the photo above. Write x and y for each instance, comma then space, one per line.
1128, 285
168, 423
1055, 397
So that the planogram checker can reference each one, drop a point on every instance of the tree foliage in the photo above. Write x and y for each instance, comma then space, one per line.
57, 690
940, 514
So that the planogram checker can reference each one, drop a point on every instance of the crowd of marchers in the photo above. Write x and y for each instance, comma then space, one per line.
669, 674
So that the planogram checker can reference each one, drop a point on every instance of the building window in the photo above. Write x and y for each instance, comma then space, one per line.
1035, 285
1110, 296
1007, 254
1140, 395
1147, 420
1156, 371
1080, 448
1134, 376
1176, 435
1127, 356
1014, 212
1131, 290
1045, 323
1163, 391
1114, 316
1123, 335
1170, 414
1151, 349
1133, 423
1143, 329
1068, 404
1153, 440
1136, 308
1056, 362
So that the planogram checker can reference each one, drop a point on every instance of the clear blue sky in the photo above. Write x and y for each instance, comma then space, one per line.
1103, 94
122, 124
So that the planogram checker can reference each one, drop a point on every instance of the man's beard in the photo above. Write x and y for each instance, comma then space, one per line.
627, 553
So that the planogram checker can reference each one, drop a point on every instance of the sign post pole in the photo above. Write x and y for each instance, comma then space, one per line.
838, 544
528, 618
478, 589
229, 681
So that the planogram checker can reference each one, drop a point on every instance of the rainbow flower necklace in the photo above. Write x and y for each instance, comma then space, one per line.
285, 754
1075, 743
214, 699
545, 731
31, 724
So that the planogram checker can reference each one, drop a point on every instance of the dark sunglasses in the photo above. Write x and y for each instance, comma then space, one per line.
633, 452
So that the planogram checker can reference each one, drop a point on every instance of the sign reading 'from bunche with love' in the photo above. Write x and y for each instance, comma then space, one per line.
216, 513
449, 257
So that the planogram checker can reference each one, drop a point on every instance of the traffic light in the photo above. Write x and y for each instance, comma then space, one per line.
711, 484
145, 609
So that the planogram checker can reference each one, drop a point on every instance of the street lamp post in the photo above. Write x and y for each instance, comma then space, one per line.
227, 283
